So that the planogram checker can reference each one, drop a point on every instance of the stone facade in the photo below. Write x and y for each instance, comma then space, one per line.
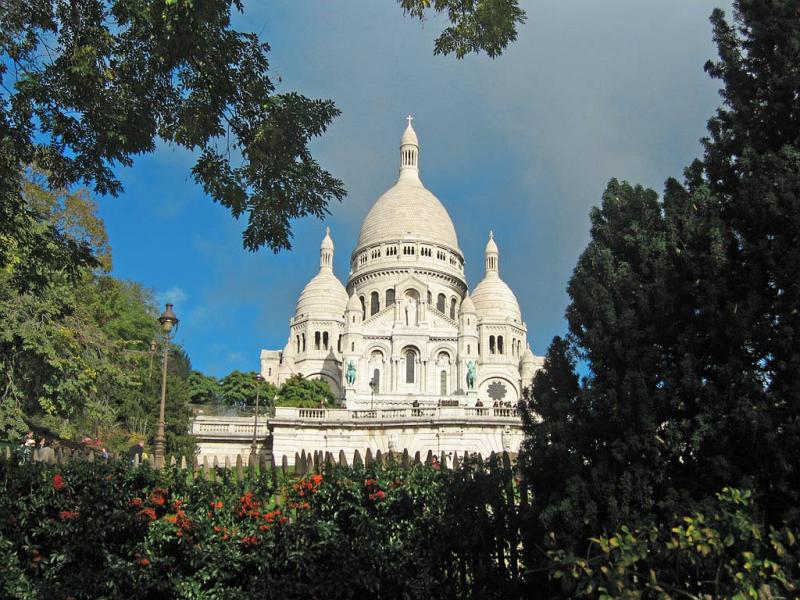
405, 331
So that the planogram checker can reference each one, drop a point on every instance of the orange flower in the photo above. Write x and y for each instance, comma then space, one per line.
68, 515
136, 502
217, 504
177, 504
149, 513
316, 479
143, 562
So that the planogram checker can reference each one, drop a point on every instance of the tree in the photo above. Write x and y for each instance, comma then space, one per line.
86, 86
685, 311
239, 389
300, 392
203, 389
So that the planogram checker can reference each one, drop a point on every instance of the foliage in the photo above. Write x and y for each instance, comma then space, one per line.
685, 312
475, 26
105, 530
203, 389
239, 389
727, 553
301, 392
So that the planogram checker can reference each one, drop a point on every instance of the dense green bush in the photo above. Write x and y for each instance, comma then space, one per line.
105, 530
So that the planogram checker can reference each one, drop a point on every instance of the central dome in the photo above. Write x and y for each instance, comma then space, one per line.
408, 210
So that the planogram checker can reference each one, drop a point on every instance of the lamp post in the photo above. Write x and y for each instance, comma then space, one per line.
169, 325
372, 394
254, 446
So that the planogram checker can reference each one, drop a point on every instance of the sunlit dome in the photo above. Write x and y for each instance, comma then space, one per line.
407, 209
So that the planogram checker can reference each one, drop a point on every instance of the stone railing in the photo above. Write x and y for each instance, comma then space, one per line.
394, 414
205, 426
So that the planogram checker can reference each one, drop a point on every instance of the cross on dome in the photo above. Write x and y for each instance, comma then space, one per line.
409, 150
409, 118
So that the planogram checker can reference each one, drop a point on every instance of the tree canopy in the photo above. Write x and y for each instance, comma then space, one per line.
684, 310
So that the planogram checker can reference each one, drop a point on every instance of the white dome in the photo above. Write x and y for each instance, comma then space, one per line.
354, 303
494, 300
467, 306
528, 357
324, 297
408, 210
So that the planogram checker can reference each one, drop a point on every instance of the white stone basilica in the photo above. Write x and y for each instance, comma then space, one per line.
405, 330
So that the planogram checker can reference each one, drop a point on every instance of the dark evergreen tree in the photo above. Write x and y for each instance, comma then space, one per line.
686, 314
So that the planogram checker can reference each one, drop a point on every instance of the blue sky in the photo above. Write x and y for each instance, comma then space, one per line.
523, 144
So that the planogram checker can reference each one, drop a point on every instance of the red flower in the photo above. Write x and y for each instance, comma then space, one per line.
316, 479
68, 515
217, 504
177, 504
58, 481
380, 494
250, 540
143, 562
149, 513
136, 502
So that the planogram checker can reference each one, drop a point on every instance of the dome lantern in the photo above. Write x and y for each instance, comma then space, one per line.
492, 255
409, 151
326, 251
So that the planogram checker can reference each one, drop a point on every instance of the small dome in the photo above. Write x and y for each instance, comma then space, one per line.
467, 305
327, 242
494, 300
354, 303
409, 135
324, 297
491, 245
528, 358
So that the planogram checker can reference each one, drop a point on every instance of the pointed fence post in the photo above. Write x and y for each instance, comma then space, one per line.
443, 460
298, 469
405, 460
417, 458
206, 473
429, 458
368, 460
173, 461
227, 463
357, 462
285, 466
456, 464
342, 459
379, 458
390, 458
329, 459
239, 468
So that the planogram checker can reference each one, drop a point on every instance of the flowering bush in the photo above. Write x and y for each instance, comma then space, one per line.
94, 530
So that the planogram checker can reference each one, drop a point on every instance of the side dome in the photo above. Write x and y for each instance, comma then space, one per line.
324, 297
408, 209
467, 306
493, 298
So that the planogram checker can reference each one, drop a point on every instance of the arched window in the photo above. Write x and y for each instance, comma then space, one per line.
411, 358
491, 344
339, 344
325, 340
316, 340
376, 381
297, 343
389, 297
453, 308
443, 383
469, 349
363, 308
303, 337
374, 302
440, 300
430, 298
500, 344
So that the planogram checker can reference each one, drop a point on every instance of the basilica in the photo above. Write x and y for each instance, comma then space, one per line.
406, 330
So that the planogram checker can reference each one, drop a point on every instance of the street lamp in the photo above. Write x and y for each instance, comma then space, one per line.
169, 325
372, 395
253, 446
